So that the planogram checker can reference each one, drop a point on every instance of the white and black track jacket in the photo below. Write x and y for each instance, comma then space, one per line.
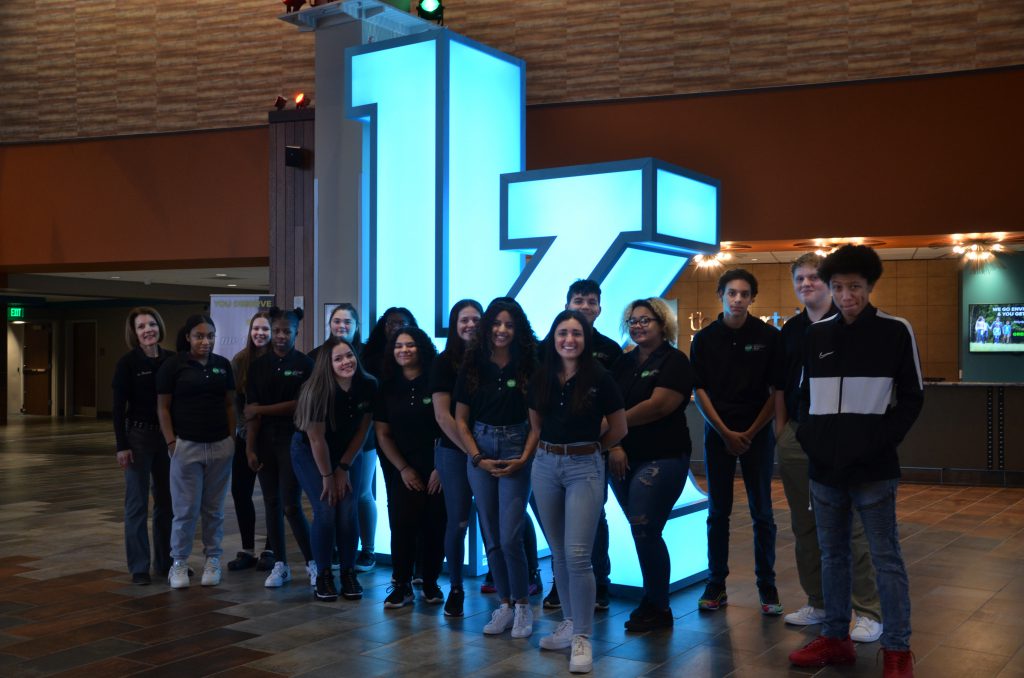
861, 392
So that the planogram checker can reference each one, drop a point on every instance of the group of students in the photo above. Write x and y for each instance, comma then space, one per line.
498, 417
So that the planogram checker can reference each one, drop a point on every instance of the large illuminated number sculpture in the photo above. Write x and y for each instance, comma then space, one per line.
450, 213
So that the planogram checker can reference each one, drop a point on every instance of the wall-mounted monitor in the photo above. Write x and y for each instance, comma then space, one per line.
996, 328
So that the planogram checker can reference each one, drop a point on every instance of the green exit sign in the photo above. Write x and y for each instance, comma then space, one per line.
15, 313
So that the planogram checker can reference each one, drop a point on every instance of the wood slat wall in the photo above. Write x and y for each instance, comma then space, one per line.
82, 68
291, 224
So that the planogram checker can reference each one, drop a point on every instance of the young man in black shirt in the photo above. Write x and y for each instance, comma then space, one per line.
737, 365
585, 296
861, 392
814, 294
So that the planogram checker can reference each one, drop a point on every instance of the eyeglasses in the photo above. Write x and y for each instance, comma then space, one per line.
642, 322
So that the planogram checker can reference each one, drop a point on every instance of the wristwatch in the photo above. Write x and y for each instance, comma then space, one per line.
475, 461
343, 466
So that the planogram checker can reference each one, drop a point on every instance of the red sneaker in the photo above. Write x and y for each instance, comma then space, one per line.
898, 664
823, 651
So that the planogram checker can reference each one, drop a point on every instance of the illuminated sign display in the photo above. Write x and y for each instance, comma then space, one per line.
450, 213
15, 313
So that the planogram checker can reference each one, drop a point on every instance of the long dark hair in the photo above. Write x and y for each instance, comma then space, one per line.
425, 350
357, 338
588, 370
181, 344
247, 355
455, 346
523, 350
373, 351
316, 397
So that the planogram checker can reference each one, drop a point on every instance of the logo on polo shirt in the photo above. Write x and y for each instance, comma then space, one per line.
217, 370
363, 406
293, 373
427, 400
648, 373
754, 348
511, 383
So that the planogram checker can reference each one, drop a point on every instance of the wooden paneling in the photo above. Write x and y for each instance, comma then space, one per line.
291, 222
102, 67
904, 290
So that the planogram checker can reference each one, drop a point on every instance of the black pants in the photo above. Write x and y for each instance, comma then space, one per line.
415, 517
281, 492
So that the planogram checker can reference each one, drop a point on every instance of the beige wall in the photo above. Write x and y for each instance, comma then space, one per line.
926, 293
86, 68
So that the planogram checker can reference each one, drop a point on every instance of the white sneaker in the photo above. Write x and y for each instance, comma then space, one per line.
806, 616
560, 639
501, 619
177, 577
865, 629
278, 576
522, 626
311, 570
211, 572
582, 658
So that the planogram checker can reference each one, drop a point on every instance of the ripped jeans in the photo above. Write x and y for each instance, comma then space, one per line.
647, 495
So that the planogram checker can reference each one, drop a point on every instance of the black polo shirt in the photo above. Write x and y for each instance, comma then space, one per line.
793, 335
198, 409
605, 351
134, 387
737, 368
408, 407
273, 379
498, 399
443, 376
666, 367
349, 409
561, 425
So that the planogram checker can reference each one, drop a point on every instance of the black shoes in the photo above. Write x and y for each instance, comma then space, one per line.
325, 589
141, 579
399, 595
601, 602
242, 561
453, 606
351, 589
649, 618
432, 593
552, 601
265, 562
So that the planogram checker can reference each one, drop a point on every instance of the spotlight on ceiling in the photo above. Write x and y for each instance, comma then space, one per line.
431, 10
280, 103
301, 100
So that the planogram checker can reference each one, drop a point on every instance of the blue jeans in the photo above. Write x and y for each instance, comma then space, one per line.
757, 465
458, 500
331, 524
149, 455
200, 473
501, 505
876, 504
570, 495
647, 495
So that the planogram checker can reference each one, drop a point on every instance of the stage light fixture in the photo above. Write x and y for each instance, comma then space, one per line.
431, 10
280, 103
292, 5
301, 100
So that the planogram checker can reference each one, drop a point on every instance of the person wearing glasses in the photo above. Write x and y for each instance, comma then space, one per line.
737, 365
648, 469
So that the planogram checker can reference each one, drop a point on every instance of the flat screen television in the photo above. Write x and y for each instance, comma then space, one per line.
995, 328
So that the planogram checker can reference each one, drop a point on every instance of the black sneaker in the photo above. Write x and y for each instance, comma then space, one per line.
552, 601
350, 586
453, 606
641, 609
770, 604
399, 595
242, 561
142, 579
325, 589
266, 561
536, 586
365, 561
713, 597
601, 601
650, 619
432, 593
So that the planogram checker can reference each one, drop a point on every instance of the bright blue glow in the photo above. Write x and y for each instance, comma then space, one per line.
638, 273
687, 208
486, 112
587, 213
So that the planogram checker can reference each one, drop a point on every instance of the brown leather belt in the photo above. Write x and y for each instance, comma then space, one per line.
572, 450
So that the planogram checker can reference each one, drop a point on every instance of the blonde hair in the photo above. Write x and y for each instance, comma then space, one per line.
662, 313
130, 337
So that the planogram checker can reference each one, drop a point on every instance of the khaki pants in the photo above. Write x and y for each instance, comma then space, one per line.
795, 483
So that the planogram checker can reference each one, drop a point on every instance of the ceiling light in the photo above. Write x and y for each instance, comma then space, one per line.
221, 275
232, 285
301, 100
115, 277
431, 10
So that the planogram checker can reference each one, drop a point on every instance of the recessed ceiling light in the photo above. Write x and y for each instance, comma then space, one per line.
115, 277
232, 285
220, 275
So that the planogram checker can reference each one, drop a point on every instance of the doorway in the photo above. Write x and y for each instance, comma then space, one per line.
83, 369
37, 371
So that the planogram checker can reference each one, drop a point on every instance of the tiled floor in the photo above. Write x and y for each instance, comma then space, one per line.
66, 607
